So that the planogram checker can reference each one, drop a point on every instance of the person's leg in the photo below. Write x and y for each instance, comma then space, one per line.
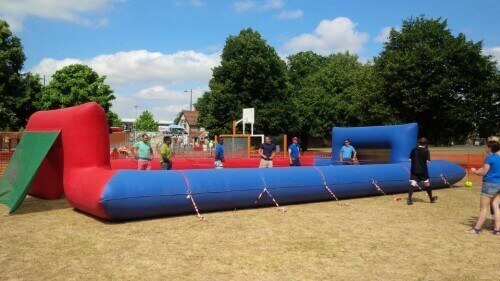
483, 211
410, 191
270, 164
496, 211
164, 166
169, 166
148, 165
140, 165
262, 163
428, 189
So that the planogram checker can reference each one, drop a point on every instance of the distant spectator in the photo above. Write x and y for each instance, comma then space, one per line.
143, 153
293, 152
115, 154
267, 151
166, 154
219, 154
347, 153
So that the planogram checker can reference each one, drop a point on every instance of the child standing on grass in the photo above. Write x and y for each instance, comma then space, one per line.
419, 157
490, 193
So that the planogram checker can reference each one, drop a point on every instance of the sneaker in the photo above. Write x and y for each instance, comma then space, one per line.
409, 202
434, 199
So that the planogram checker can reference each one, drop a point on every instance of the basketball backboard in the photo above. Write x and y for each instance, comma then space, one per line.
249, 115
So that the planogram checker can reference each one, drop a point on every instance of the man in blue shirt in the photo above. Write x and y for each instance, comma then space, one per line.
219, 154
293, 152
347, 153
143, 153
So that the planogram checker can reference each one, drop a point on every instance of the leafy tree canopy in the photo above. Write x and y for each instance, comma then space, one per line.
251, 74
442, 81
17, 90
74, 85
146, 122
113, 119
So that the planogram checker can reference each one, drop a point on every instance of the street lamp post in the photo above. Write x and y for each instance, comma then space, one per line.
191, 101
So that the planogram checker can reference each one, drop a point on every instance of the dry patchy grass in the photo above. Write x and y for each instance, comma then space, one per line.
371, 239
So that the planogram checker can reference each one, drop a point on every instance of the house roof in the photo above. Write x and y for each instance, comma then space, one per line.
191, 117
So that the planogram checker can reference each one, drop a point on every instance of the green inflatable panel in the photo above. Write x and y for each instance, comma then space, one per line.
23, 166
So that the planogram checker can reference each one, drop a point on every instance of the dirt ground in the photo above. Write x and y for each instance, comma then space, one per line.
374, 238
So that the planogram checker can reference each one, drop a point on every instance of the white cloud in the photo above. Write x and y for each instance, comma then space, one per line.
249, 5
68, 10
142, 66
383, 35
494, 52
290, 14
152, 80
337, 35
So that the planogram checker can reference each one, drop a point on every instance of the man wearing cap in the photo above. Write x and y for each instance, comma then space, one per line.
293, 152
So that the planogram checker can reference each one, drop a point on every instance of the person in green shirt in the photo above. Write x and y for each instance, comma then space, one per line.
143, 153
166, 154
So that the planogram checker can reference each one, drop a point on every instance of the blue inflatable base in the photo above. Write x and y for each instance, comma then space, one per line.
139, 194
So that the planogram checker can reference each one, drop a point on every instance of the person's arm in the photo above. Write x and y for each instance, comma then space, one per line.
481, 171
151, 153
134, 151
272, 153
340, 156
355, 153
428, 156
290, 155
261, 152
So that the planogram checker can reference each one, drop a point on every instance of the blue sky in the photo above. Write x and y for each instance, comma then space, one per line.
151, 51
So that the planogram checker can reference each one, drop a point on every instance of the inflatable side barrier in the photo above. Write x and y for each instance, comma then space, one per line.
78, 165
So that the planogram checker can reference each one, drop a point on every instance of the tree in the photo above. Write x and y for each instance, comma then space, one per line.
74, 85
302, 65
439, 80
113, 119
146, 122
251, 74
17, 90
344, 92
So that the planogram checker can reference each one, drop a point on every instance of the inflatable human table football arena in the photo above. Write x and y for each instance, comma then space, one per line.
66, 151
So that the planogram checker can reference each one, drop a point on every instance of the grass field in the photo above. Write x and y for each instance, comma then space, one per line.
372, 238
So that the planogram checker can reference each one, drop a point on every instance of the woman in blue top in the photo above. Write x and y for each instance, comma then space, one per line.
490, 193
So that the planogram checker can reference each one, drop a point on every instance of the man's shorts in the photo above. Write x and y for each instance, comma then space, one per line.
419, 178
218, 164
490, 189
166, 166
347, 161
143, 164
266, 163
295, 162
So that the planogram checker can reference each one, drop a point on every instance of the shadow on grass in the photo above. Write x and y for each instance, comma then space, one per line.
472, 222
35, 205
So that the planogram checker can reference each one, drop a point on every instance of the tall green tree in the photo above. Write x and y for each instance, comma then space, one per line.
113, 119
251, 74
74, 85
344, 92
146, 122
17, 90
442, 81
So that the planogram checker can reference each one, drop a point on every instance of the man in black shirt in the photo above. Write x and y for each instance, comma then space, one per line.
419, 157
267, 151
